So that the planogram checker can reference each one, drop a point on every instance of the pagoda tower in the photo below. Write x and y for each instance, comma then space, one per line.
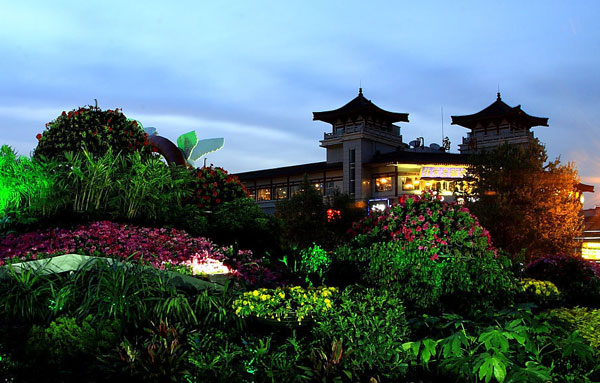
495, 125
359, 130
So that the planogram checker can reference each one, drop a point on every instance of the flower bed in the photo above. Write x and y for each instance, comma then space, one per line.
162, 248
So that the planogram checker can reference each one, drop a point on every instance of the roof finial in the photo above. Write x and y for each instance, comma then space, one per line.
499, 99
360, 91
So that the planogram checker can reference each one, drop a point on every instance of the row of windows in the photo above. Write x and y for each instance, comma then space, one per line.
415, 183
281, 192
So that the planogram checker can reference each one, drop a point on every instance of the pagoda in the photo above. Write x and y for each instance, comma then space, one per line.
496, 125
359, 131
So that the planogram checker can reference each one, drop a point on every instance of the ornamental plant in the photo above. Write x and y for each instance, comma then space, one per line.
161, 248
585, 321
214, 186
542, 293
93, 129
577, 278
437, 228
435, 255
285, 302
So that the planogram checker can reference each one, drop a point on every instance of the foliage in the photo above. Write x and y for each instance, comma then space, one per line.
29, 189
213, 186
94, 130
525, 203
242, 223
518, 347
159, 355
542, 293
577, 278
24, 296
585, 321
455, 284
367, 328
285, 302
434, 254
314, 263
66, 340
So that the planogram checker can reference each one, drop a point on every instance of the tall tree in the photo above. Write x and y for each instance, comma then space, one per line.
530, 207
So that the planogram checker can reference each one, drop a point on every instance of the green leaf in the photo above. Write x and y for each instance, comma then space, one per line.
206, 146
187, 142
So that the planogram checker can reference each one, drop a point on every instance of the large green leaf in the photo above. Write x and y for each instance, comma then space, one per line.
186, 143
206, 146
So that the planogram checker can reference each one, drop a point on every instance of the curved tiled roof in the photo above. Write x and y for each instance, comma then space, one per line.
359, 106
499, 110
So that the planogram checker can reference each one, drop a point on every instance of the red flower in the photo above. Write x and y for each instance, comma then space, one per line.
39, 136
64, 113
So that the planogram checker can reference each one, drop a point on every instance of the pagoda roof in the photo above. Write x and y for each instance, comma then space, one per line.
359, 106
499, 110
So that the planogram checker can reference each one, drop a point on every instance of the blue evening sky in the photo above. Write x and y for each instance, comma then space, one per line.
254, 71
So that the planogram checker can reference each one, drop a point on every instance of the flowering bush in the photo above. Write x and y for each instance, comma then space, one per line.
94, 129
429, 225
213, 186
159, 247
434, 254
285, 302
577, 278
542, 293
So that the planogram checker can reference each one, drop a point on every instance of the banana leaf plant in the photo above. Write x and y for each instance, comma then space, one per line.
188, 148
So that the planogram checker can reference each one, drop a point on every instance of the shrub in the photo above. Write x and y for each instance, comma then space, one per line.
242, 223
542, 293
65, 340
576, 277
314, 263
93, 129
294, 303
435, 227
434, 254
455, 284
368, 326
213, 186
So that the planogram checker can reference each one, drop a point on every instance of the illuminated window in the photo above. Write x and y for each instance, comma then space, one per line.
590, 250
264, 194
383, 184
252, 193
411, 183
318, 186
281, 193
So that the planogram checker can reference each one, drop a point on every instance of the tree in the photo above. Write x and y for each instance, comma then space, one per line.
529, 207
303, 216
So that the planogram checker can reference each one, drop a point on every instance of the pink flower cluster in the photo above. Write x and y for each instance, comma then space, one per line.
156, 246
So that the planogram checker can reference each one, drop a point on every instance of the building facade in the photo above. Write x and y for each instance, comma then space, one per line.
367, 158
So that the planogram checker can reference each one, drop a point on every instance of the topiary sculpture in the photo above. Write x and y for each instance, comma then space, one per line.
93, 129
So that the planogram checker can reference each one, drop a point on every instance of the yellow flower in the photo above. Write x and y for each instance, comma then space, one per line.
282, 295
255, 293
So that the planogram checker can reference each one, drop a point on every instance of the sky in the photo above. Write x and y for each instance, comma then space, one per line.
254, 71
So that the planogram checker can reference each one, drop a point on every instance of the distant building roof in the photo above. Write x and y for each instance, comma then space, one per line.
359, 106
289, 170
496, 111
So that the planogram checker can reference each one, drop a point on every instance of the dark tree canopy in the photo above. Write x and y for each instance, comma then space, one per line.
529, 206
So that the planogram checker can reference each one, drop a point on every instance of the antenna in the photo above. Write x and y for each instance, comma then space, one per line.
442, 113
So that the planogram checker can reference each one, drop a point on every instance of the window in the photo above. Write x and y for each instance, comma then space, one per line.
383, 184
281, 193
264, 194
252, 193
294, 189
352, 168
330, 188
411, 183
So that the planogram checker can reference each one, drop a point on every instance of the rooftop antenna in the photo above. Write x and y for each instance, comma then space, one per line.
442, 113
